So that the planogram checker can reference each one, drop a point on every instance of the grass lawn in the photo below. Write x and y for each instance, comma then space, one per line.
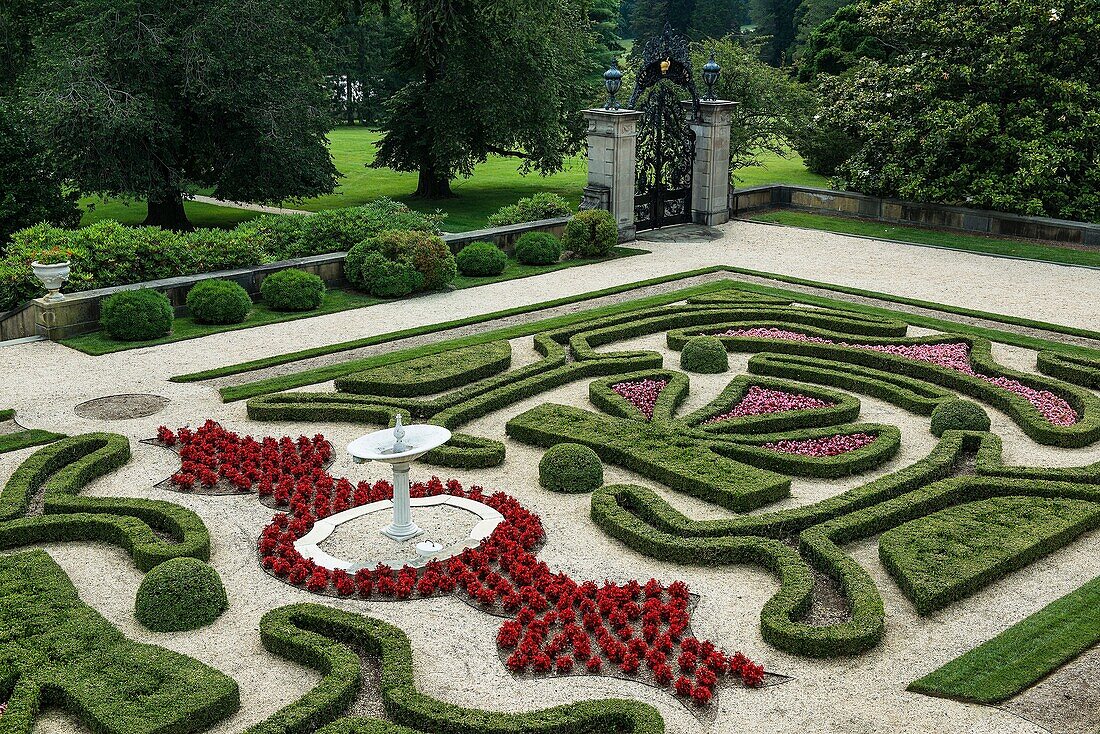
495, 183
98, 342
923, 236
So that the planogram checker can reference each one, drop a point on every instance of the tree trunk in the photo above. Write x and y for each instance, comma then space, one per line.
432, 185
166, 210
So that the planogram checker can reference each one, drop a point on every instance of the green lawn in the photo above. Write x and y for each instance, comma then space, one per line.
494, 184
923, 236
98, 342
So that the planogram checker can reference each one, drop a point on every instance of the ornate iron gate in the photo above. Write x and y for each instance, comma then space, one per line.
666, 142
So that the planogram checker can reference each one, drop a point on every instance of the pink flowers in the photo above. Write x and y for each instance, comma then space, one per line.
822, 447
556, 625
642, 394
954, 356
765, 400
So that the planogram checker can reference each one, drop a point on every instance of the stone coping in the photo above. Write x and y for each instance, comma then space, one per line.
309, 544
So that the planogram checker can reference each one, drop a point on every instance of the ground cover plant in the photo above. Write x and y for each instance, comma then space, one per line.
16, 438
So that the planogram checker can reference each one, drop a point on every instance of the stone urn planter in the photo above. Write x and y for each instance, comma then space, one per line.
52, 275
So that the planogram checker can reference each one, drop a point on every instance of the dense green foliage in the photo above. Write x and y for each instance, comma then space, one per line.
570, 467
292, 290
1022, 655
949, 554
1078, 370
62, 651
543, 205
958, 415
431, 373
705, 355
157, 79
108, 253
835, 43
776, 27
538, 248
136, 315
372, 272
180, 595
218, 302
590, 233
424, 251
989, 104
479, 259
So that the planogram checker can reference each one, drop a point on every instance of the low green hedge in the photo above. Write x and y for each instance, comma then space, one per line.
180, 595
570, 468
601, 394
60, 471
845, 408
541, 205
958, 415
431, 374
315, 636
1078, 370
64, 653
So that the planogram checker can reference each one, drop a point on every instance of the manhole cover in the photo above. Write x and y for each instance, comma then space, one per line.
121, 407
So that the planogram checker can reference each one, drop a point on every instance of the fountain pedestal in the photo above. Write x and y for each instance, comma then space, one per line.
402, 528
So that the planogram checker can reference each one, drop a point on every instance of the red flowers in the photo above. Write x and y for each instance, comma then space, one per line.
765, 400
558, 625
824, 446
642, 394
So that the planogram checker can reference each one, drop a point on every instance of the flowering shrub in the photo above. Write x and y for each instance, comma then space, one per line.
759, 400
824, 446
642, 394
555, 623
954, 356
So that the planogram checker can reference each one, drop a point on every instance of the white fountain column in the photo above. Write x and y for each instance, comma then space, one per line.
402, 527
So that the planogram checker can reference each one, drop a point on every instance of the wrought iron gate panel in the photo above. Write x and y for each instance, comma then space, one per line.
666, 142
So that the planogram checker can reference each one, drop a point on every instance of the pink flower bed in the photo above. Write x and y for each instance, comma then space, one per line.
821, 447
765, 400
954, 356
642, 394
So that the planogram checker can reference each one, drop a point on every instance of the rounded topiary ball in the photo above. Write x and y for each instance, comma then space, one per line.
136, 315
571, 467
292, 290
538, 248
481, 259
218, 302
179, 595
705, 355
591, 233
958, 415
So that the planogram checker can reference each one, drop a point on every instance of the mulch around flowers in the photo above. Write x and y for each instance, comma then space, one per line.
121, 407
829, 606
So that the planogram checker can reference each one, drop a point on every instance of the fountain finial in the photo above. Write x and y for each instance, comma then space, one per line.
399, 436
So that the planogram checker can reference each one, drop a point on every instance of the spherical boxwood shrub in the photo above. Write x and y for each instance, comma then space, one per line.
591, 233
571, 467
292, 290
136, 315
381, 277
481, 258
958, 415
218, 302
705, 355
538, 248
179, 595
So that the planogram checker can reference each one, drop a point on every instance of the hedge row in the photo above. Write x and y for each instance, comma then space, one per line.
668, 400
319, 637
60, 471
1087, 405
431, 374
878, 452
1078, 370
845, 408
61, 652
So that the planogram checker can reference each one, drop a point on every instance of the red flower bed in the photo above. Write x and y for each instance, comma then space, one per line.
759, 400
556, 624
642, 394
824, 446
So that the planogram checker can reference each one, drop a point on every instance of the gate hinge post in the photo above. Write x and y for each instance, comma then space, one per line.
710, 185
612, 142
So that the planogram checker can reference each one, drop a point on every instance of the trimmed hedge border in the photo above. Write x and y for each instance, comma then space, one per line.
60, 471
318, 636
845, 409
1078, 370
427, 375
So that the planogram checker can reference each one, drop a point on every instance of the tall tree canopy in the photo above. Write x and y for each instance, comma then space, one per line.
983, 103
152, 98
491, 77
776, 26
717, 18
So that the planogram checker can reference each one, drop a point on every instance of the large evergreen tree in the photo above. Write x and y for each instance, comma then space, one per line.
716, 18
776, 24
490, 77
153, 98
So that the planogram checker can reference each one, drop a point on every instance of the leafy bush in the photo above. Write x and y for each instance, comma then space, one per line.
424, 251
705, 355
543, 205
571, 467
136, 315
480, 259
109, 254
372, 272
958, 415
218, 302
538, 248
180, 595
591, 233
292, 290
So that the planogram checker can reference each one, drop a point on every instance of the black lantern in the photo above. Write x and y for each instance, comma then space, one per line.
612, 79
711, 70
